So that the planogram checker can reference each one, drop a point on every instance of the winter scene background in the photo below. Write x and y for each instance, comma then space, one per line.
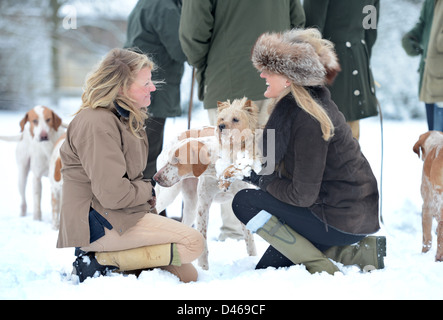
32, 268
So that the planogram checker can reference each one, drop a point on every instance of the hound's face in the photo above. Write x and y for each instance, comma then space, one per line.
42, 123
190, 159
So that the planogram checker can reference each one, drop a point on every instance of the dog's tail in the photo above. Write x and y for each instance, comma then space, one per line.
418, 147
11, 138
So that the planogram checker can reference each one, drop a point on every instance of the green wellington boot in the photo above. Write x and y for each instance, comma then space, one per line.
367, 254
291, 244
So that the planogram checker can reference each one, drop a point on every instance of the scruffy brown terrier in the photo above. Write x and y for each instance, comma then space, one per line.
236, 129
235, 117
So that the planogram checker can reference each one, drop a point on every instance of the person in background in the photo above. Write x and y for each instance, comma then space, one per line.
153, 29
432, 85
415, 42
343, 23
107, 204
217, 37
322, 196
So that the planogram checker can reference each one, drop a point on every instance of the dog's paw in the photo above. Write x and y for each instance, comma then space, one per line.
224, 185
228, 176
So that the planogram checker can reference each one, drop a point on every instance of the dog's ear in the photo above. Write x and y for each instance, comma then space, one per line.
204, 159
23, 122
250, 107
418, 146
198, 169
223, 105
56, 120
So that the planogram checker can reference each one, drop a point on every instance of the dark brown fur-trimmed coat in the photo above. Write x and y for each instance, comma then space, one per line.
332, 178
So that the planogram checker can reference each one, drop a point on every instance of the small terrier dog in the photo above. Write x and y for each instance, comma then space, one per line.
236, 129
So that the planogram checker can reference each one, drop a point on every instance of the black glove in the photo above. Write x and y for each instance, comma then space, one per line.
253, 178
153, 183
411, 45
261, 181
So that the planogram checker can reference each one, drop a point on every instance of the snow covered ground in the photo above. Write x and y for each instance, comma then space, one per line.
32, 268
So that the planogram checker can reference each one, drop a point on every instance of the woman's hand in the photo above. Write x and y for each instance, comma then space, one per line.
153, 201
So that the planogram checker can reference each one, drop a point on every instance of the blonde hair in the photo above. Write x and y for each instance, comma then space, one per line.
309, 105
109, 83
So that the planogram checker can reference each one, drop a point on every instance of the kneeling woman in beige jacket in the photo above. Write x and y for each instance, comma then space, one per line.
106, 208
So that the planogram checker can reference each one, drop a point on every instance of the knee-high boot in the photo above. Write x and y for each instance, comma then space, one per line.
140, 258
291, 244
90, 264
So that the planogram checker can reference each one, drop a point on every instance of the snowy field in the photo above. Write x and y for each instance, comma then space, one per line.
32, 268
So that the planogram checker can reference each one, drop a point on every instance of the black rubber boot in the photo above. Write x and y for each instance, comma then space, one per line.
86, 266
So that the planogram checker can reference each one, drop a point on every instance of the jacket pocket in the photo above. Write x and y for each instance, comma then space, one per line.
439, 44
434, 84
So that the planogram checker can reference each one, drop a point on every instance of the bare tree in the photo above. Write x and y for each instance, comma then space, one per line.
32, 35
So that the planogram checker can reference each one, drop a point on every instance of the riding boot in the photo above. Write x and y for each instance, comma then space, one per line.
90, 264
291, 244
367, 254
141, 258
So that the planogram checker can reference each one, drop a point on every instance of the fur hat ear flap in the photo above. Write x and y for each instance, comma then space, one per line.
331, 74
328, 57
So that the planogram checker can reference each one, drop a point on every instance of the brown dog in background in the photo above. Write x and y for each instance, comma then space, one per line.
430, 145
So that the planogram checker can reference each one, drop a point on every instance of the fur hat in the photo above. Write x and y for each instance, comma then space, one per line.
299, 54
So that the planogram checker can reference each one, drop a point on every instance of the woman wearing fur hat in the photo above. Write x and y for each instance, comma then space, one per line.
322, 196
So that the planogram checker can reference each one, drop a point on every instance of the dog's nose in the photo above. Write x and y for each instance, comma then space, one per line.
221, 126
44, 136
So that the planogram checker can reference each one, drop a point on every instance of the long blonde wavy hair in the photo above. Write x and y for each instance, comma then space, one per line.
109, 83
309, 105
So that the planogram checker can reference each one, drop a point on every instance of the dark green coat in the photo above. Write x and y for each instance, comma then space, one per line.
217, 37
341, 21
153, 28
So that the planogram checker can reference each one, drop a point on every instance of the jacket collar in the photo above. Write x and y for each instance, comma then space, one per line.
121, 112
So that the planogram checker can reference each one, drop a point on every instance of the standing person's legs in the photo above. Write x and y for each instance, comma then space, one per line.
355, 128
438, 116
263, 114
231, 228
430, 115
155, 128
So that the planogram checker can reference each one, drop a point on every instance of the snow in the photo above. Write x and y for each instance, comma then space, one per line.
32, 268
